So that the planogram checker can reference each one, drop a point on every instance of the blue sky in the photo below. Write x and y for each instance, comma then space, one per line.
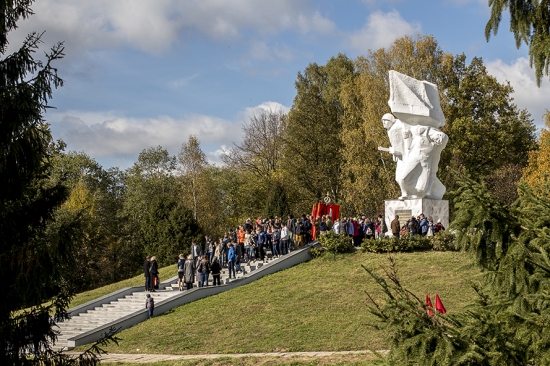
142, 73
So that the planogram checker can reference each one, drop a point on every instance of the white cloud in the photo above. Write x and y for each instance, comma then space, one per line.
215, 157
380, 30
122, 136
154, 26
522, 78
264, 107
113, 137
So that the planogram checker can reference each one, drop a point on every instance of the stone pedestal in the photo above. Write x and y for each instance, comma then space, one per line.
437, 209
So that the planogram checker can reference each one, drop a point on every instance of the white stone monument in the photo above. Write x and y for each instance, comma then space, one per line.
416, 145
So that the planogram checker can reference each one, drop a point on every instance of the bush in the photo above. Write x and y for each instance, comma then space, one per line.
442, 241
336, 243
317, 252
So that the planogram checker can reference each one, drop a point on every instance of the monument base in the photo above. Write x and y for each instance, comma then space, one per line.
437, 209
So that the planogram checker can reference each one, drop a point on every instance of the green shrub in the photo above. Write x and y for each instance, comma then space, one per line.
442, 241
317, 252
336, 243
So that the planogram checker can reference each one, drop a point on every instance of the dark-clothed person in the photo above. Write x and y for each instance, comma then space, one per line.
146, 268
154, 273
216, 272
150, 305
204, 271
181, 262
395, 227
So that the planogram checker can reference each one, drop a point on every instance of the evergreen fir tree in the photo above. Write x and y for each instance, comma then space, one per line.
510, 322
35, 245
277, 201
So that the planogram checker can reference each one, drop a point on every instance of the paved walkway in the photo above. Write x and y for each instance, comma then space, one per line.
149, 358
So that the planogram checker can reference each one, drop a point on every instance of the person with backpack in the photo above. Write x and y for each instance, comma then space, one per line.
368, 229
150, 305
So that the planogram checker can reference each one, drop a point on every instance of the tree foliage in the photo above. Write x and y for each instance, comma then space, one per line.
257, 161
313, 145
159, 223
530, 24
96, 197
509, 322
262, 145
198, 189
37, 244
536, 174
487, 131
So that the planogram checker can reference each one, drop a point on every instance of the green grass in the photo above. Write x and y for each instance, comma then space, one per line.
342, 360
84, 297
315, 306
348, 360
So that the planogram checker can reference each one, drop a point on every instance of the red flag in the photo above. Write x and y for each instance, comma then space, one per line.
439, 305
429, 305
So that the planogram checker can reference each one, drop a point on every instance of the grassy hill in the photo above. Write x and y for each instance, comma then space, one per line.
315, 306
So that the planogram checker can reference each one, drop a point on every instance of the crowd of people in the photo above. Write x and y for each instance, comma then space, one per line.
248, 243
358, 228
252, 241
420, 225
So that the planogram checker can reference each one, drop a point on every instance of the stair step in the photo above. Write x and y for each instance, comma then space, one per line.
114, 310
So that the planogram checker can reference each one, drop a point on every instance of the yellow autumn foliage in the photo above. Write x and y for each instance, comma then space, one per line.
537, 173
80, 199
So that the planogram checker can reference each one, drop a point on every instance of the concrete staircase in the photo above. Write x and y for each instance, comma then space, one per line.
108, 310
104, 314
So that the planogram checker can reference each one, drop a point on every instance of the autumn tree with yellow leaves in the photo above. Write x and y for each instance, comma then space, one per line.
537, 173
